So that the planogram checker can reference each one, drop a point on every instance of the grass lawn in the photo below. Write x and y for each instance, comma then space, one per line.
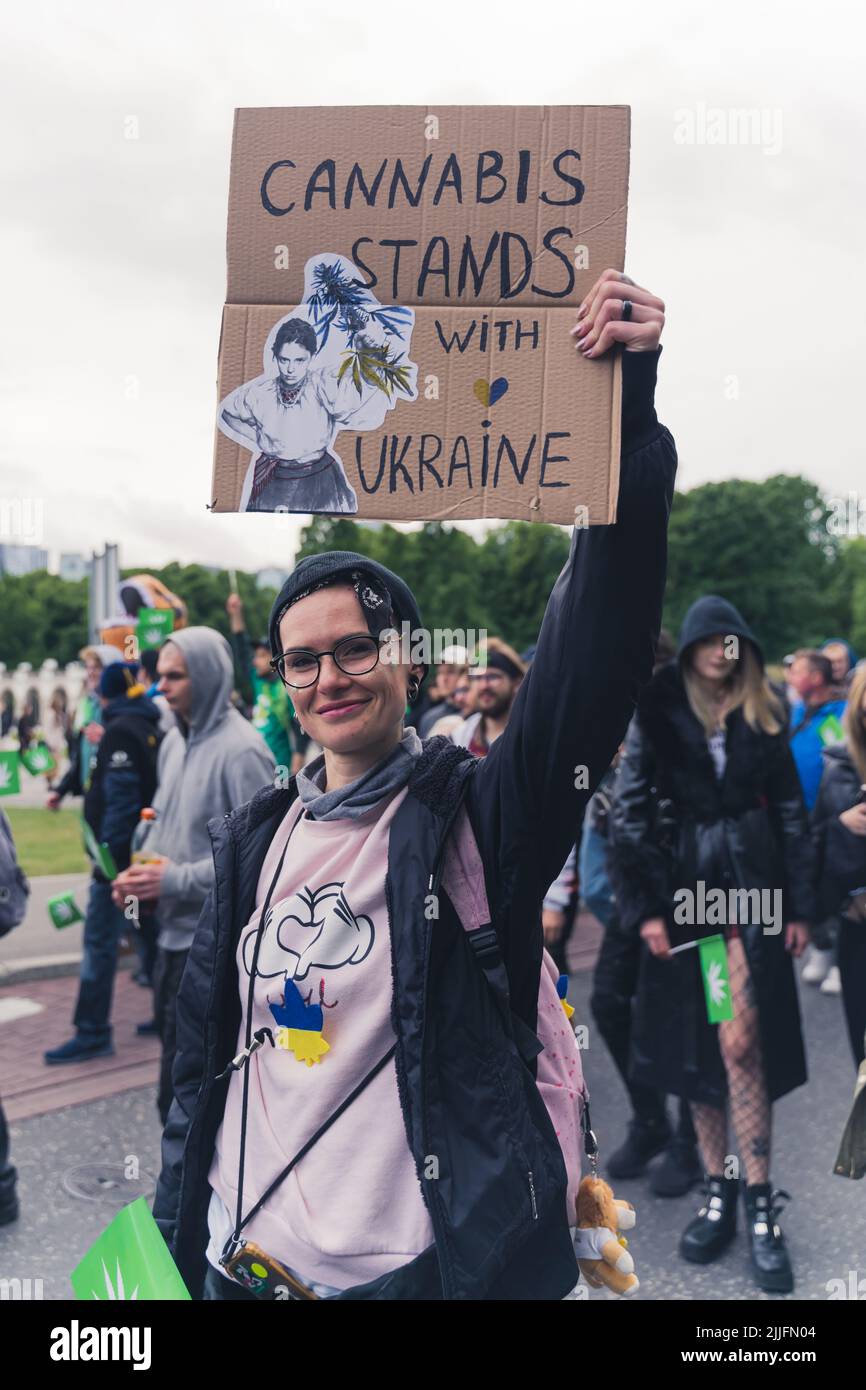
48, 842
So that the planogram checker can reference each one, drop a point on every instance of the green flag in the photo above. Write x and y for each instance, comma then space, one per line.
38, 758
63, 910
10, 778
717, 985
129, 1261
100, 854
153, 627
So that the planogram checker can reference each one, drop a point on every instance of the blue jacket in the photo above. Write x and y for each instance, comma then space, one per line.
123, 774
811, 731
465, 1066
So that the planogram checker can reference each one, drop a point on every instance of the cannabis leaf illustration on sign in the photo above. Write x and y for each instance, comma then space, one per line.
344, 300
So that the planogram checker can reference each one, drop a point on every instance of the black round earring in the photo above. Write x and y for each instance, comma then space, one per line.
413, 691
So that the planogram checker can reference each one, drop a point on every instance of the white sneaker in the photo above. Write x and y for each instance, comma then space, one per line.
833, 983
817, 967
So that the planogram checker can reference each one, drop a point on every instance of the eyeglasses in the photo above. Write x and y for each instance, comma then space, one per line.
299, 667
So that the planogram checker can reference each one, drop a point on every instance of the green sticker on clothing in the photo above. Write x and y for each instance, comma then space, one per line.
830, 730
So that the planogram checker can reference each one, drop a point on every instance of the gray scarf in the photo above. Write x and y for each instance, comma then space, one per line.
366, 791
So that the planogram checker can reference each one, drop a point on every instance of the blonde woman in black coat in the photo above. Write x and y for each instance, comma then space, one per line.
708, 799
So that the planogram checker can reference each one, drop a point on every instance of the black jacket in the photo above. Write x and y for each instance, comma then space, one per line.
840, 854
748, 831
498, 1210
123, 774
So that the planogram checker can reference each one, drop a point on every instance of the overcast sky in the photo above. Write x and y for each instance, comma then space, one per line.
113, 250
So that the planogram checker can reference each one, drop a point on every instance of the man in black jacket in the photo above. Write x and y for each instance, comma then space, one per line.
123, 780
497, 1200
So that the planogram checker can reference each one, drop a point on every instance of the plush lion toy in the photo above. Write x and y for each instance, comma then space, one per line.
601, 1254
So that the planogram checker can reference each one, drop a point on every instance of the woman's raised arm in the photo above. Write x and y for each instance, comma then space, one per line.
596, 644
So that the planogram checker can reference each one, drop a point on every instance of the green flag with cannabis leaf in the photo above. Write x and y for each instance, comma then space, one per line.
129, 1262
10, 777
717, 984
153, 627
38, 758
63, 910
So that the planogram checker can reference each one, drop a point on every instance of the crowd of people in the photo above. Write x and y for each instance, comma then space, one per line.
281, 864
724, 777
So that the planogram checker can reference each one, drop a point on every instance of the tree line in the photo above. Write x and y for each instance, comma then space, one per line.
765, 546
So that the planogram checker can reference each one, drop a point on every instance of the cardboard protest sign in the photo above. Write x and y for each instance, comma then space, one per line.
401, 287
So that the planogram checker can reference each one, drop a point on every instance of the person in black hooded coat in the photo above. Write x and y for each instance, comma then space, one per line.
708, 798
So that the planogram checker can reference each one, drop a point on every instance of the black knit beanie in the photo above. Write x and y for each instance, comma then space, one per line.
386, 600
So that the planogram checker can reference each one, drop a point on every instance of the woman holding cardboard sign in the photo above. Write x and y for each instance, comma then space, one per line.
361, 1109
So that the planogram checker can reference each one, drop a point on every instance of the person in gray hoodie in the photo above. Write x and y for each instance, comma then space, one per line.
210, 763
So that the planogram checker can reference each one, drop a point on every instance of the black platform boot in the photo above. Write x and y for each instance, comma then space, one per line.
770, 1260
715, 1225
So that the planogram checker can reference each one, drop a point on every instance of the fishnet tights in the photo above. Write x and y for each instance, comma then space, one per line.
740, 1046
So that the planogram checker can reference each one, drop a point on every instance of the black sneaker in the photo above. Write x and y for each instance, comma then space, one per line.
770, 1261
643, 1141
714, 1227
679, 1170
77, 1051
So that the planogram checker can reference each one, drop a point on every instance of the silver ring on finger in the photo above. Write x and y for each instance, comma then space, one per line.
627, 307
626, 279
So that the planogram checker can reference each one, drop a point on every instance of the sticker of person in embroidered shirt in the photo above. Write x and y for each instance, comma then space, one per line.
338, 361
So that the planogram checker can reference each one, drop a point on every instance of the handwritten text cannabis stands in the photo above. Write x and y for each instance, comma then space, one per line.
401, 285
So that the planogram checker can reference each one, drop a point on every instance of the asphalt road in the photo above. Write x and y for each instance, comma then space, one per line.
824, 1224
64, 1210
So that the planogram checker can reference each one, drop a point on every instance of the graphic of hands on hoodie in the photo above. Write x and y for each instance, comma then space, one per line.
209, 767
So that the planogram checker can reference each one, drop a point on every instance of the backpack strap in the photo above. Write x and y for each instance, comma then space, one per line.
463, 879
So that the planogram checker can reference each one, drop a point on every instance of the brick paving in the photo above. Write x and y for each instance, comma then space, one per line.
29, 1087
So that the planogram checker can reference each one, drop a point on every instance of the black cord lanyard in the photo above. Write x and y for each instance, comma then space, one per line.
244, 1058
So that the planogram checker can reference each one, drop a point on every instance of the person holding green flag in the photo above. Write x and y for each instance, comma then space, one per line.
710, 845
87, 725
272, 711
123, 779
